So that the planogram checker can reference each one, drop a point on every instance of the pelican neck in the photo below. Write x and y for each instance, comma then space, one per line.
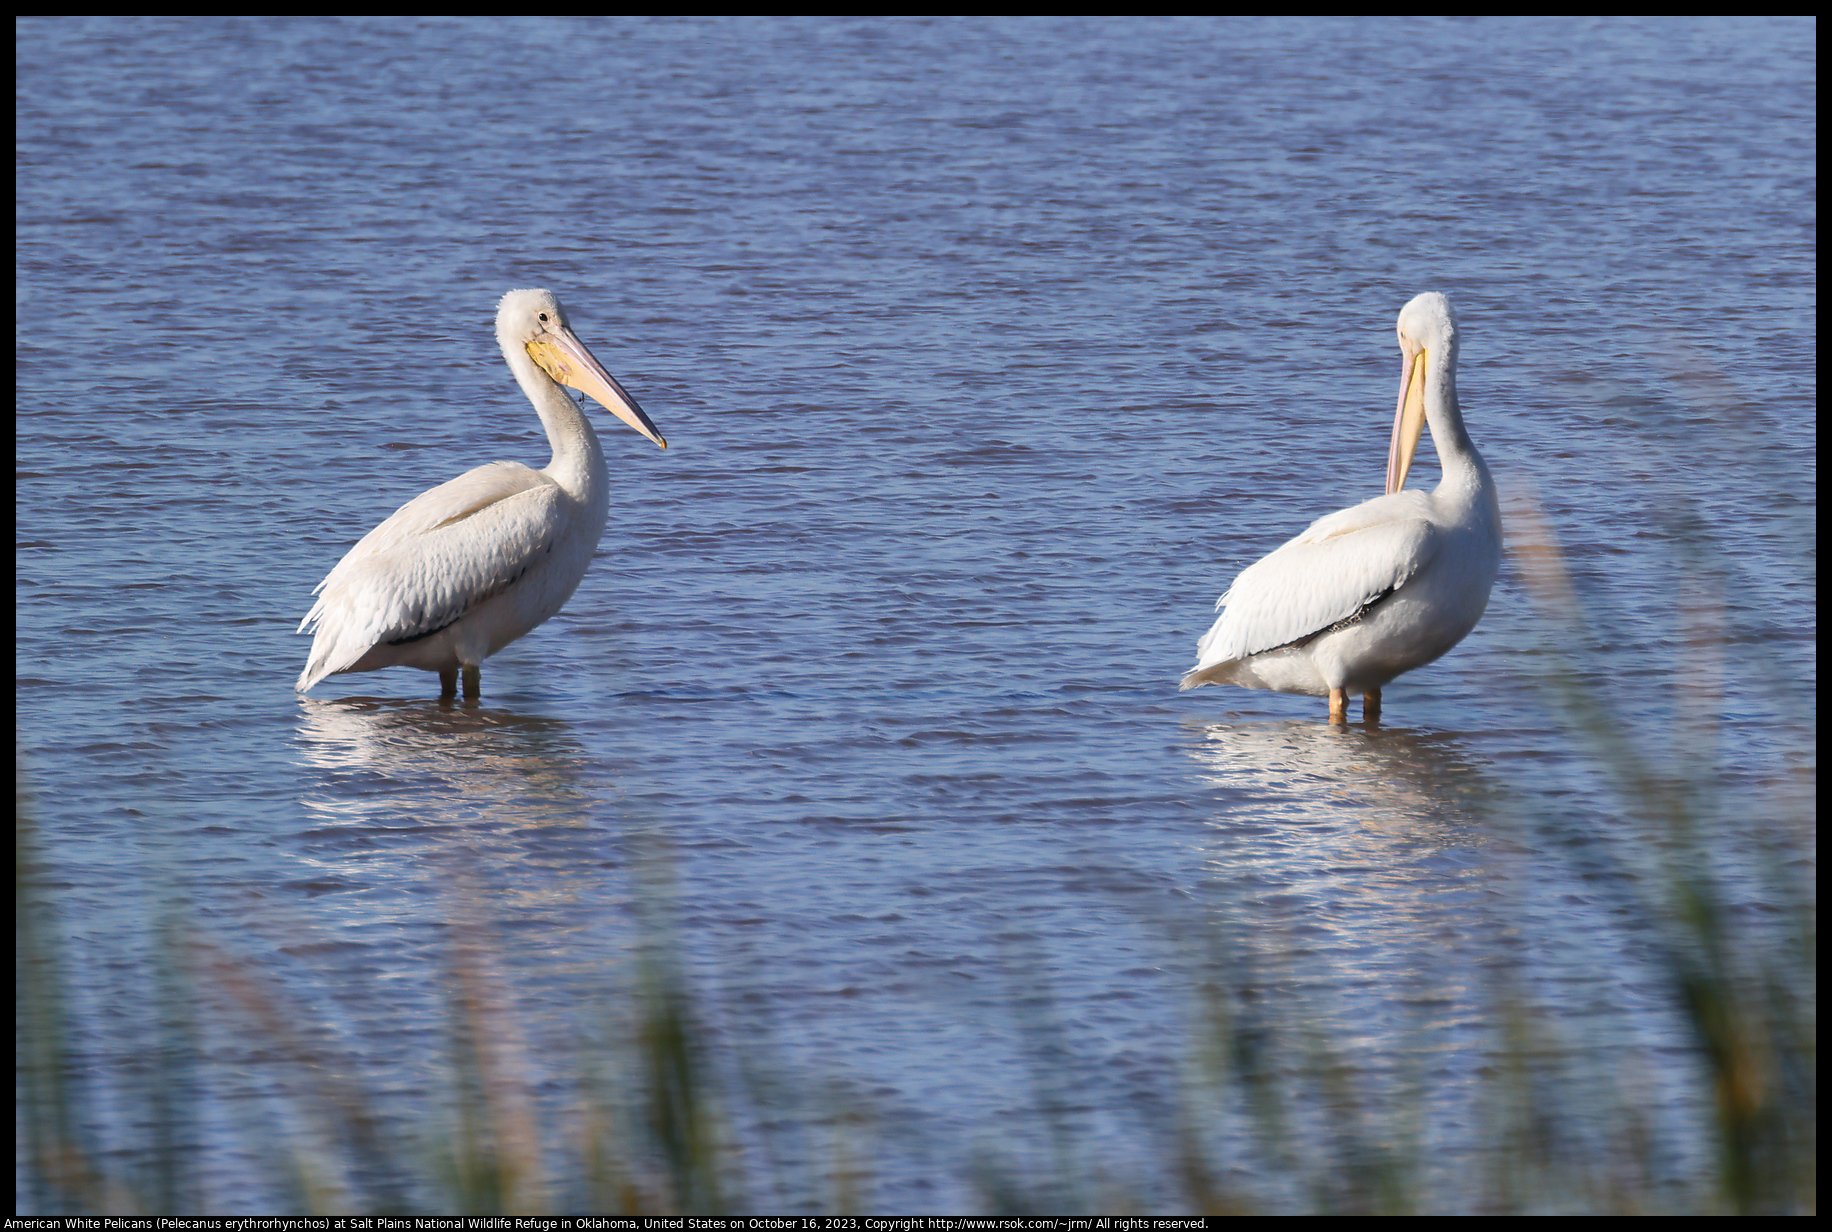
578, 459
1460, 462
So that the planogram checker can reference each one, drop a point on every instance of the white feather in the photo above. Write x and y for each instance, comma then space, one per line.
1382, 587
460, 571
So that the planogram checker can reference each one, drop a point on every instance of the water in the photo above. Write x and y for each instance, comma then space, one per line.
987, 352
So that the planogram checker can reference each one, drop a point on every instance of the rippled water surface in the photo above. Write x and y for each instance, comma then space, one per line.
986, 352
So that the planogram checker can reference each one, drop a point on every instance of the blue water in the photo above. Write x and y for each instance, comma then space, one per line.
987, 353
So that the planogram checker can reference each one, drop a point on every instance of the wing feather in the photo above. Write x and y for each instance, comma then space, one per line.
433, 560
1341, 565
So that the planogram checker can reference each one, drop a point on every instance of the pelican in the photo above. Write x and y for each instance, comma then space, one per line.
1382, 587
461, 571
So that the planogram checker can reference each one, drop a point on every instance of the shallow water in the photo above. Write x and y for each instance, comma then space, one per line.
987, 352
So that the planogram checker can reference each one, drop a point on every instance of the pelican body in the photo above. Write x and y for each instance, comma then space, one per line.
461, 571
1382, 587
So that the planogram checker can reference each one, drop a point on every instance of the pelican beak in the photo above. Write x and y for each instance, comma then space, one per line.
1408, 422
564, 358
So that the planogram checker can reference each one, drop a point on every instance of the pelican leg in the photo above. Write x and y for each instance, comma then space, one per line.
1338, 705
448, 684
473, 682
1370, 706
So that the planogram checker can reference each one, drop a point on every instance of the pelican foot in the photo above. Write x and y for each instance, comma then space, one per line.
473, 683
448, 684
1338, 705
1370, 706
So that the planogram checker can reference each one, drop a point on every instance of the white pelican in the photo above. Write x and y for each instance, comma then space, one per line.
1382, 587
461, 571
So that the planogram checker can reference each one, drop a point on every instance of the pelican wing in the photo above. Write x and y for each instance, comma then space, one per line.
1335, 570
436, 558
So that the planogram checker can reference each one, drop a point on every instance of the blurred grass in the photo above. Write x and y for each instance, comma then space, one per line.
1748, 993
1275, 1115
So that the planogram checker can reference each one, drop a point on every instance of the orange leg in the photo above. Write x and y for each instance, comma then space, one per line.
1370, 706
1338, 705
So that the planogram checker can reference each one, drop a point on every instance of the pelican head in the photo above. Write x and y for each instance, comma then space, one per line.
533, 323
1427, 324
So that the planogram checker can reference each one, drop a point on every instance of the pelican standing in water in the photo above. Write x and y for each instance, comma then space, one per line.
1382, 587
461, 571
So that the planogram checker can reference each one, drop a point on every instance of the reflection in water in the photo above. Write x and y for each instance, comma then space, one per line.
431, 818
1386, 901
1409, 784
1350, 848
448, 764
1356, 899
414, 800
